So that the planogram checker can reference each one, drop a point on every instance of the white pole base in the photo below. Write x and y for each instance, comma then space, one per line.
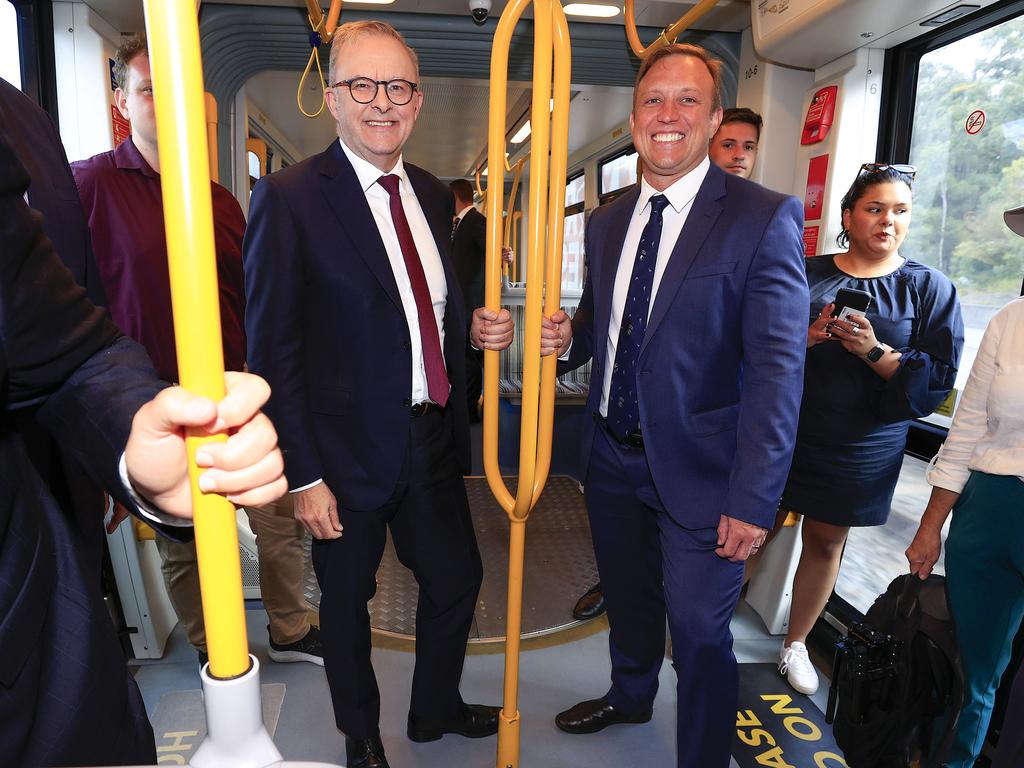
235, 735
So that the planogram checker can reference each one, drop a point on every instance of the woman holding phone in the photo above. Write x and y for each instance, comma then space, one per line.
891, 359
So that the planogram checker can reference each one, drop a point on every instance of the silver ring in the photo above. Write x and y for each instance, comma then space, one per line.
856, 330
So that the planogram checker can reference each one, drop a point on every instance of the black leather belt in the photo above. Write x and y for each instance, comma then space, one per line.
633, 439
422, 409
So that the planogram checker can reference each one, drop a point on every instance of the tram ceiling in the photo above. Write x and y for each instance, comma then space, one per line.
241, 41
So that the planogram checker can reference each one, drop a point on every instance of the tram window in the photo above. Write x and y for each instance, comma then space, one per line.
572, 239
10, 49
967, 140
616, 173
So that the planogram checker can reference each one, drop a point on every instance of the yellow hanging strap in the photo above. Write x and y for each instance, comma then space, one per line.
188, 223
510, 219
667, 35
544, 228
323, 28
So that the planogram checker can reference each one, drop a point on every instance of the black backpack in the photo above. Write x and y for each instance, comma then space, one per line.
893, 675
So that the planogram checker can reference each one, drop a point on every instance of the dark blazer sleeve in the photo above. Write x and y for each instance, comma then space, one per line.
774, 326
273, 266
58, 349
582, 349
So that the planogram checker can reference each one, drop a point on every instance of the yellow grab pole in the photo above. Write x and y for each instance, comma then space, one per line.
670, 33
509, 220
326, 27
551, 37
173, 34
211, 134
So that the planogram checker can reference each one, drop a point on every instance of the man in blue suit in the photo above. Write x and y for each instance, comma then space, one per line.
355, 318
694, 312
66, 697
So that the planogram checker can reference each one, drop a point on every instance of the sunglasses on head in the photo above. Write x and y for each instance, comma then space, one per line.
905, 169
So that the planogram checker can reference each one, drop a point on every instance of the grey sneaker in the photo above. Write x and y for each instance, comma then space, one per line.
305, 649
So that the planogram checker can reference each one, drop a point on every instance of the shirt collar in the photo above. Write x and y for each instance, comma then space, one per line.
368, 174
682, 191
127, 155
463, 212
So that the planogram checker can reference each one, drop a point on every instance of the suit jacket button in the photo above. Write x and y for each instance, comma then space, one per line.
406, 345
407, 402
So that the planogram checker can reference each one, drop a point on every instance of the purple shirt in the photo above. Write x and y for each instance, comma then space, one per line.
123, 205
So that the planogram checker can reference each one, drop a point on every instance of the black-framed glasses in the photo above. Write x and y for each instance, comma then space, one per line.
364, 89
904, 168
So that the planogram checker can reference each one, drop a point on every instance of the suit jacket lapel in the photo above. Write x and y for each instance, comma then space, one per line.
618, 223
699, 223
340, 187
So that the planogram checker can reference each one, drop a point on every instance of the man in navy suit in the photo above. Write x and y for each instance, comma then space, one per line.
356, 320
694, 312
66, 697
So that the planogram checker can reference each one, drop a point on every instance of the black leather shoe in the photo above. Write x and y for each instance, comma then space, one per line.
595, 715
474, 722
591, 605
365, 753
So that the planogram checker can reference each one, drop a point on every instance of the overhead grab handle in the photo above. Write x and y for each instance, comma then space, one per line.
669, 34
323, 28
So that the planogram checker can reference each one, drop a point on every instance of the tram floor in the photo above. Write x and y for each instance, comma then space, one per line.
555, 672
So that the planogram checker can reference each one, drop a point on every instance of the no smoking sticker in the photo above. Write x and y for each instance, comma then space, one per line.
975, 122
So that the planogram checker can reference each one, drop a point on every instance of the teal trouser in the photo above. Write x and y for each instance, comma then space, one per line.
985, 574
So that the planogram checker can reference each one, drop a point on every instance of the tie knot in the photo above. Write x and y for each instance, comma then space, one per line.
390, 183
658, 203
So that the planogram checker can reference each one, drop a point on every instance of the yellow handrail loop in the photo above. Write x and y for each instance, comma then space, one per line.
669, 34
322, 33
544, 276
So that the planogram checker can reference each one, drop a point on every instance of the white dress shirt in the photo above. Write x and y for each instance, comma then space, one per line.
680, 200
380, 206
988, 429
463, 212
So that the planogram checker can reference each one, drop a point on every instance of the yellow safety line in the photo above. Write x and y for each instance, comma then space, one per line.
669, 34
173, 33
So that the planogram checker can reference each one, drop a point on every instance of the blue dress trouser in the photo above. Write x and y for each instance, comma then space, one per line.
985, 575
651, 569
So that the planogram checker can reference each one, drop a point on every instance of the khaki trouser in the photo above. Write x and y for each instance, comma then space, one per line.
279, 546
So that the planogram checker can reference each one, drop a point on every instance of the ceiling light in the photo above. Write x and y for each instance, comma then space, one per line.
521, 134
591, 9
949, 15
371, 2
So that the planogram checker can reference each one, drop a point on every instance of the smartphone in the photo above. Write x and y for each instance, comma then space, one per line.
850, 301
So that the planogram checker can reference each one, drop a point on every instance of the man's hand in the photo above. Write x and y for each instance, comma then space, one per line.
508, 255
738, 540
247, 468
490, 329
317, 510
555, 333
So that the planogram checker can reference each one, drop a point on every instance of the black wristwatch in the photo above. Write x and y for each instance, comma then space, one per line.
875, 353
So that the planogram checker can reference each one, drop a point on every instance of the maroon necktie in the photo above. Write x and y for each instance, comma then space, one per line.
433, 360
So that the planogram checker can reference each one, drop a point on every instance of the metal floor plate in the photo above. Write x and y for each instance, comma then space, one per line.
559, 567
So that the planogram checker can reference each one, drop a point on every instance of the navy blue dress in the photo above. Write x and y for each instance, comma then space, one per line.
853, 423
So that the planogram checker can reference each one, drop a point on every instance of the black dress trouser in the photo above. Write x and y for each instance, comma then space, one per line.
428, 515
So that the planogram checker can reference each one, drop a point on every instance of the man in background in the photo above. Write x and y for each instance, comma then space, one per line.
734, 147
121, 195
469, 249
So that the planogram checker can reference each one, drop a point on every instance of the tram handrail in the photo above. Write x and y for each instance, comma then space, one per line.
551, 42
323, 28
667, 35
188, 224
211, 134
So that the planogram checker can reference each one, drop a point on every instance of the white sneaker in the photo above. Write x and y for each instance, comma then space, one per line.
796, 665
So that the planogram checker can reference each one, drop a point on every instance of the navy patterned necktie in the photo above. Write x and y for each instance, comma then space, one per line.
623, 410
